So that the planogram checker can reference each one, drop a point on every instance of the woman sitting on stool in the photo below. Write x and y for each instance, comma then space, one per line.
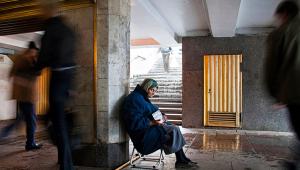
148, 134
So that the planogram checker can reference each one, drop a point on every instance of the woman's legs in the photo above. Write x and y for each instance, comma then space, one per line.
180, 156
183, 162
175, 139
175, 144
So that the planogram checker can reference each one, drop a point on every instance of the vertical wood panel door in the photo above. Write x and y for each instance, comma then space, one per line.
222, 90
43, 92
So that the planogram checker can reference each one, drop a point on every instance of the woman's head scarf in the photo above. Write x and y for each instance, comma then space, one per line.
149, 84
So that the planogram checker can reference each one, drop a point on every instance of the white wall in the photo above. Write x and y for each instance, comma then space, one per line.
142, 59
7, 106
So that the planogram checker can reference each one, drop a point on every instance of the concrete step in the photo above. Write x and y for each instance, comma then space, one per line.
160, 83
170, 86
157, 74
159, 77
168, 104
161, 66
176, 122
174, 116
164, 87
165, 91
168, 90
161, 99
163, 71
168, 95
170, 110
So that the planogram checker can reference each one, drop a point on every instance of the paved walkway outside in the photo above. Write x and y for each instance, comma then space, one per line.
212, 149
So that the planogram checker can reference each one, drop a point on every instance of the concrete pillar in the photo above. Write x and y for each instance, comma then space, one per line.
81, 21
113, 28
110, 147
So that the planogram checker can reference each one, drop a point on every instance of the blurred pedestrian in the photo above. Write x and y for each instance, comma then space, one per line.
24, 91
283, 60
166, 52
57, 52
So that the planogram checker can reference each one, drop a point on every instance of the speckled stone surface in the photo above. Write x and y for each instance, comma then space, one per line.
257, 111
211, 149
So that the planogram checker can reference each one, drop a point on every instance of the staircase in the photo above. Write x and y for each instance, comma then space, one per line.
169, 95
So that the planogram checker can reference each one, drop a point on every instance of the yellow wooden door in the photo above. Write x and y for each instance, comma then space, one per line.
43, 92
222, 90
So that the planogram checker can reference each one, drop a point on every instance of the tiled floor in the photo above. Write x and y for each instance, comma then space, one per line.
212, 149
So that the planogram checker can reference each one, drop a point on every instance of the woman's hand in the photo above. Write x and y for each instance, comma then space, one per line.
156, 123
165, 118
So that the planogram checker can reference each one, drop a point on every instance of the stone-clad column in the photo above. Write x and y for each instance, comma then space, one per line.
113, 45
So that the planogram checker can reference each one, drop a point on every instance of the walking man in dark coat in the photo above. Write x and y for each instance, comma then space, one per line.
57, 52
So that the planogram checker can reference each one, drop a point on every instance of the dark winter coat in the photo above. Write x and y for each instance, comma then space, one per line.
137, 114
58, 45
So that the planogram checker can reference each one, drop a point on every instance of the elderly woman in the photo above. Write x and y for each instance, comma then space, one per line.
148, 134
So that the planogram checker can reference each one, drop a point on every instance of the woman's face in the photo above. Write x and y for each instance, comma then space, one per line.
151, 91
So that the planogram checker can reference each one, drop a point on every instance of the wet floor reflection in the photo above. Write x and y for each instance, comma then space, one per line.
221, 143
217, 142
271, 147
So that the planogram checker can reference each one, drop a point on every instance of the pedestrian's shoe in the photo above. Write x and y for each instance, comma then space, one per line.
185, 165
33, 147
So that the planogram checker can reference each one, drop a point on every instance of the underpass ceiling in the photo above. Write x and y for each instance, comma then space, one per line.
21, 16
163, 21
188, 18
